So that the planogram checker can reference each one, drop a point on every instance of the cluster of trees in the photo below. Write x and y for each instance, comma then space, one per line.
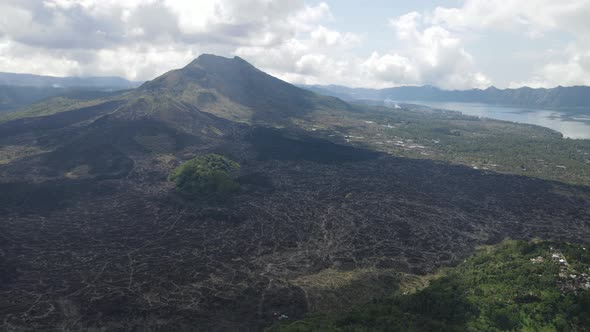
206, 175
496, 290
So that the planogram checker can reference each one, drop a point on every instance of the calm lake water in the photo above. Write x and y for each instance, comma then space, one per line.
570, 125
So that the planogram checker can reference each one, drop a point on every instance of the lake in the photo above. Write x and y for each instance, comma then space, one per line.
570, 125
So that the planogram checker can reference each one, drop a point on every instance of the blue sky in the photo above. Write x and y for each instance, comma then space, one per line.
454, 44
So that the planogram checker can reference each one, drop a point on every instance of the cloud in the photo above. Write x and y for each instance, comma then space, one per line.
246, 22
141, 39
84, 35
314, 54
324, 37
531, 17
533, 20
294, 40
15, 57
98, 24
299, 60
574, 70
392, 68
429, 55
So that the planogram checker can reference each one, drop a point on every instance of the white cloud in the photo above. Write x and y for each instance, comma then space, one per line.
324, 37
574, 70
430, 55
127, 61
292, 39
142, 39
312, 55
392, 68
532, 19
246, 22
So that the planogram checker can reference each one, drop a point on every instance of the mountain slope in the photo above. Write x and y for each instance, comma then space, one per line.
575, 96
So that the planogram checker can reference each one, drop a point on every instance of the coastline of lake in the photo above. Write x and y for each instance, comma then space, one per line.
575, 126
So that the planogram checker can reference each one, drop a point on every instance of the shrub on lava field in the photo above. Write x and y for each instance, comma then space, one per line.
208, 174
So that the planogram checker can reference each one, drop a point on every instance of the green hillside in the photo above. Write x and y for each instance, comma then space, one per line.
515, 286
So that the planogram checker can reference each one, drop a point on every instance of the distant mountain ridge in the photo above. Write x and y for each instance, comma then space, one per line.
19, 90
13, 98
575, 96
108, 82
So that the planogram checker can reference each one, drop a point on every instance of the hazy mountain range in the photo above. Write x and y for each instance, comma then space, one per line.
18, 90
102, 82
576, 96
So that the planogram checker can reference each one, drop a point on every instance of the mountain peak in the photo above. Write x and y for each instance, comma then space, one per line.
211, 83
211, 61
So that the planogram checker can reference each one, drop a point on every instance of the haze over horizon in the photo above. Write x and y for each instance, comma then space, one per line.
449, 44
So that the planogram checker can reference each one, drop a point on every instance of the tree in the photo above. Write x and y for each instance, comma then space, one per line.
208, 174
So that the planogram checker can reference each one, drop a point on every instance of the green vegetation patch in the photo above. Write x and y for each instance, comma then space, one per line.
515, 286
208, 174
